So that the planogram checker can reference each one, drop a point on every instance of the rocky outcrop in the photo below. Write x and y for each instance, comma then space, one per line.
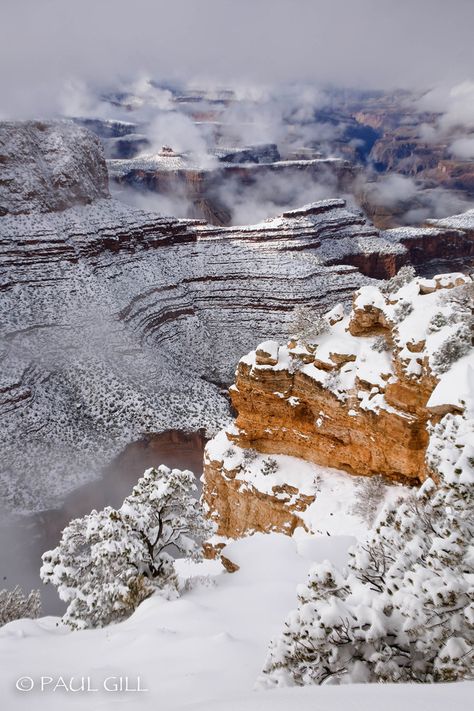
358, 398
263, 153
440, 243
48, 167
209, 190
121, 139
403, 151
239, 509
118, 322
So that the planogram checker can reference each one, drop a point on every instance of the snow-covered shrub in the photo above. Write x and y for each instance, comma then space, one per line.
369, 494
14, 604
269, 466
404, 609
380, 345
453, 348
249, 456
402, 310
461, 296
109, 561
404, 276
437, 322
307, 323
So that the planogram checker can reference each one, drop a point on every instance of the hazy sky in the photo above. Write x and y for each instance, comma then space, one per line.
363, 43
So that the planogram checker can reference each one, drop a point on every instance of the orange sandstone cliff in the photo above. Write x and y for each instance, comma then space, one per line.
360, 397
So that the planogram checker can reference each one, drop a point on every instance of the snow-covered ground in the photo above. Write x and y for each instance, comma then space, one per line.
333, 490
202, 651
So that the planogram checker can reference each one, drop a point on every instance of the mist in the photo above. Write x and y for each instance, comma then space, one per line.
361, 43
271, 194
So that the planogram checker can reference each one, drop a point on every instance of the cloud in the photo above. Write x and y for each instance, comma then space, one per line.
176, 204
361, 43
183, 135
435, 204
463, 148
455, 106
271, 194
393, 189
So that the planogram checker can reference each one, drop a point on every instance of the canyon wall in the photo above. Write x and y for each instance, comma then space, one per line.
445, 243
359, 397
209, 191
119, 322
49, 166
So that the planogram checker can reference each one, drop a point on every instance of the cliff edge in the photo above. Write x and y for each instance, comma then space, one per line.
363, 396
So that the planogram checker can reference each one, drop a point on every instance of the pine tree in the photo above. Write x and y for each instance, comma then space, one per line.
404, 610
14, 604
109, 561
369, 494
307, 323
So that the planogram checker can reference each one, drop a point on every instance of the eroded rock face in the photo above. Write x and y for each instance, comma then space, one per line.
49, 166
448, 242
238, 510
361, 397
118, 322
208, 190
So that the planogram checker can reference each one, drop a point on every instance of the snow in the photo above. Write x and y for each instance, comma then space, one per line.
364, 365
422, 317
269, 348
455, 387
116, 317
463, 221
335, 314
369, 296
333, 490
427, 298
202, 651
119, 167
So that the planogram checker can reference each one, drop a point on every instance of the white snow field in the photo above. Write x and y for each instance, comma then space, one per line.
200, 652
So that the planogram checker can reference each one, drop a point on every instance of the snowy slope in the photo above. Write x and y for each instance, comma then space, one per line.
202, 651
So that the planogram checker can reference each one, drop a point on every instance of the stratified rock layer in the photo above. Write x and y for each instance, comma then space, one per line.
119, 321
361, 397
439, 244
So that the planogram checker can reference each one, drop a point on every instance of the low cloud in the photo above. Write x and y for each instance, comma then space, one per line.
272, 193
463, 148
358, 43
393, 189
455, 108
179, 132
175, 205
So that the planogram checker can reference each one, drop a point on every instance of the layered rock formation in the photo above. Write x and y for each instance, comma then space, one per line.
361, 397
208, 187
440, 244
369, 136
121, 139
48, 167
117, 322
404, 152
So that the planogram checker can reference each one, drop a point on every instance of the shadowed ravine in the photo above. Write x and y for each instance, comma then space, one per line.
24, 539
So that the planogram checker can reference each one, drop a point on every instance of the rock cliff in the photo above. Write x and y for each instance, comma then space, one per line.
118, 322
448, 242
363, 396
49, 166
209, 189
